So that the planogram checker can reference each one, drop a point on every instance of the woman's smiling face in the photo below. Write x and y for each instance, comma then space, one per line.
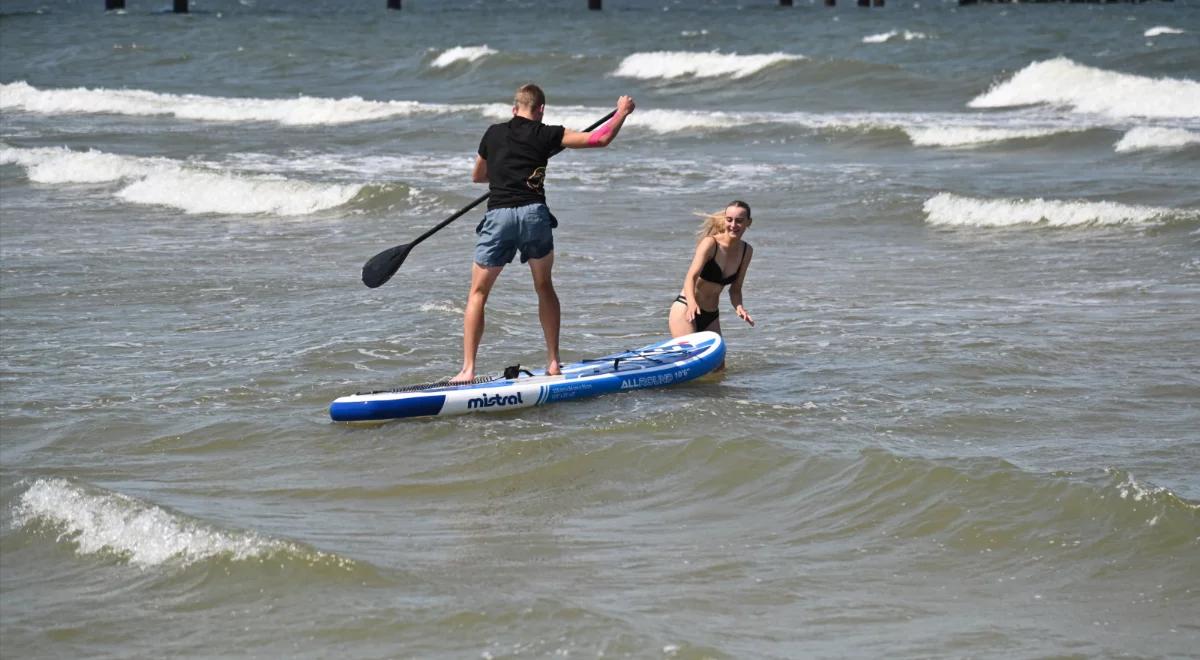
737, 220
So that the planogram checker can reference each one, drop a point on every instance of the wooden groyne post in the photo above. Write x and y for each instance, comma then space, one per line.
975, 2
179, 6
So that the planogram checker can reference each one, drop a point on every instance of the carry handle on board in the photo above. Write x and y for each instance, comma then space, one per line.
381, 267
515, 371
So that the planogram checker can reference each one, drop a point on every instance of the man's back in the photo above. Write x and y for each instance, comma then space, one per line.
517, 152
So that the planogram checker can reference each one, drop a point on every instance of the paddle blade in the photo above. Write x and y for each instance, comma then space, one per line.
381, 267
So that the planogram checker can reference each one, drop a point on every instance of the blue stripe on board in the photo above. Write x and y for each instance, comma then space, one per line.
365, 411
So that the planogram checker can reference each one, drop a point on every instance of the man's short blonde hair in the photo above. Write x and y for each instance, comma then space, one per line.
529, 97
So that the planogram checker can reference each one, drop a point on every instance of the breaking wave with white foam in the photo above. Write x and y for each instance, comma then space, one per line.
906, 35
300, 111
190, 188
669, 65
925, 129
653, 120
1146, 138
973, 136
949, 210
143, 534
1062, 82
461, 54
1161, 30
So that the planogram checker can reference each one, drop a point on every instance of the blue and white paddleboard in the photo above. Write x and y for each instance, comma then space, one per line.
662, 363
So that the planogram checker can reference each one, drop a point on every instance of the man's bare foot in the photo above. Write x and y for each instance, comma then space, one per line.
463, 377
553, 369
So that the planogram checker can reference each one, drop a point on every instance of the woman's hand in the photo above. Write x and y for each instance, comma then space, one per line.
693, 311
744, 315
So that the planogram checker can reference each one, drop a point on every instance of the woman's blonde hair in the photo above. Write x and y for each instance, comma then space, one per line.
714, 223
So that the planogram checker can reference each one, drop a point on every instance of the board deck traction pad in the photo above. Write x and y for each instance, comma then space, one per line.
662, 363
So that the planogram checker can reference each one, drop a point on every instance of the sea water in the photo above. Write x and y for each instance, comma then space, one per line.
965, 424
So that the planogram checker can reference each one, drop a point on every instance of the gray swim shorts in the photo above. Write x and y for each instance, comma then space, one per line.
503, 232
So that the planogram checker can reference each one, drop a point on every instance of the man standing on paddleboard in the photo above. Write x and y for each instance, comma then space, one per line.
512, 161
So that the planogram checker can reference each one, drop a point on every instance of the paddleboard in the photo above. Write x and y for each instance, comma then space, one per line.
659, 364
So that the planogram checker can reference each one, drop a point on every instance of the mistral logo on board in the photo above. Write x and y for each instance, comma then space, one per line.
486, 401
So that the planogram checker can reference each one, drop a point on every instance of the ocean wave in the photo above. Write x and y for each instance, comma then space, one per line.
1062, 82
190, 188
398, 198
300, 111
414, 166
61, 165
1161, 30
891, 35
1144, 138
927, 129
667, 121
950, 210
669, 65
104, 522
656, 121
972, 136
922, 129
314, 111
461, 54
675, 121
989, 505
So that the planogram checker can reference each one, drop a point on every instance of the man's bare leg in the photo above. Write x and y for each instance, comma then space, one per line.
549, 312
482, 279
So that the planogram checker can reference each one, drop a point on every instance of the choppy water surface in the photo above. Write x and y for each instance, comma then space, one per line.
965, 425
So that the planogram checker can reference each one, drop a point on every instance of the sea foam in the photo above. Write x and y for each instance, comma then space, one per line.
1063, 82
669, 65
950, 210
190, 188
300, 111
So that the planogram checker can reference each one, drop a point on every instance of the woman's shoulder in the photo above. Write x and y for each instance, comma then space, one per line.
747, 252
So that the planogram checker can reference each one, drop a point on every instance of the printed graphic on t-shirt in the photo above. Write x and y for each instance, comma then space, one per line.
537, 181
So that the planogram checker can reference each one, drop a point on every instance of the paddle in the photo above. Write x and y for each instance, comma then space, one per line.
381, 267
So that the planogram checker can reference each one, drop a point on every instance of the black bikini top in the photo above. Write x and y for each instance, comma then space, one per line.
712, 270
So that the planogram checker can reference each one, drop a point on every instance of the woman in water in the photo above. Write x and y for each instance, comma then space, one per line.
722, 259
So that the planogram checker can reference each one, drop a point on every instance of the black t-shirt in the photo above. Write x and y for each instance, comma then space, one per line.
516, 153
